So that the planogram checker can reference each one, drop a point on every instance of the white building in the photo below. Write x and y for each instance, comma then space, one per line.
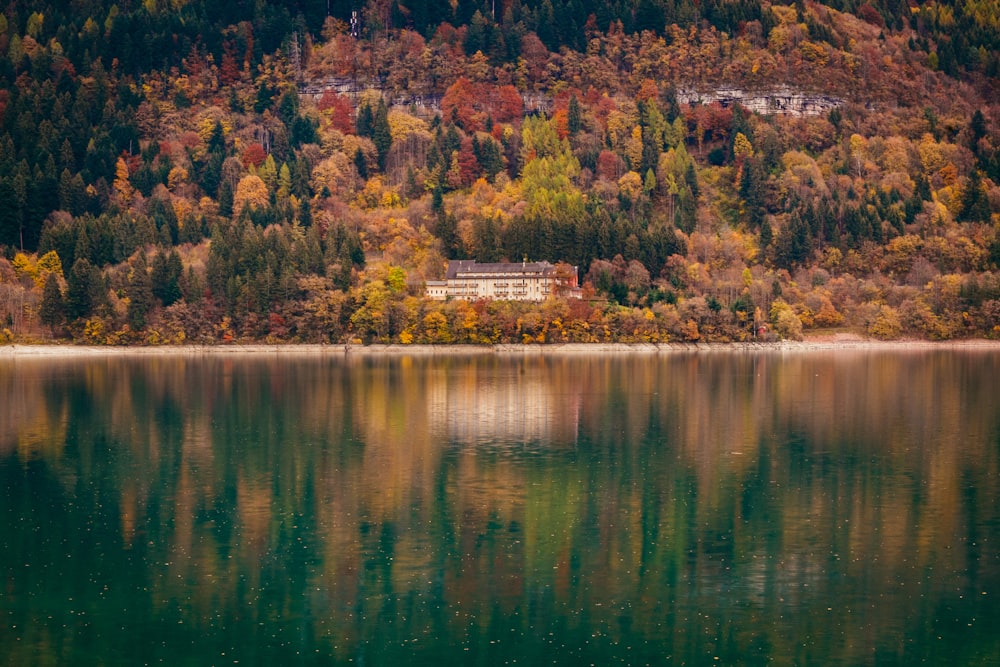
515, 281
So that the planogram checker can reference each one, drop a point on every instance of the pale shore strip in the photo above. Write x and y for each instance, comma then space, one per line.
827, 343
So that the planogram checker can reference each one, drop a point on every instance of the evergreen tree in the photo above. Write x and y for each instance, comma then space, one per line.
447, 232
489, 157
794, 243
975, 203
84, 289
574, 121
381, 136
977, 130
10, 226
225, 198
751, 191
691, 178
361, 163
305, 213
922, 189
166, 274
53, 309
766, 234
140, 294
365, 122
437, 198
217, 140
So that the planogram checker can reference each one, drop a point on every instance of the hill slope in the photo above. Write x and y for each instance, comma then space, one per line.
170, 172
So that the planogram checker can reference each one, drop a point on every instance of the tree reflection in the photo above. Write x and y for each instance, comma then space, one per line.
776, 507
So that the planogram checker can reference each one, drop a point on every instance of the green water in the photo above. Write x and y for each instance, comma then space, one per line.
725, 508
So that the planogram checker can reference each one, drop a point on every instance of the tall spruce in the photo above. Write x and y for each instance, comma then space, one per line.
53, 309
140, 294
84, 287
381, 135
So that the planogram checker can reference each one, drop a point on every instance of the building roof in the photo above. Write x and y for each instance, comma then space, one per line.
470, 266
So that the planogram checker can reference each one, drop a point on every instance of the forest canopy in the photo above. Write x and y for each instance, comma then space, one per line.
724, 170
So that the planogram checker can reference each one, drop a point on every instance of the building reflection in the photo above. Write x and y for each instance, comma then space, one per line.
503, 407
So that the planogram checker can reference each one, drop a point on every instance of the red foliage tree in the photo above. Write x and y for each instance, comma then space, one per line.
341, 111
470, 104
253, 155
458, 104
509, 105
647, 91
609, 166
229, 70
870, 15
468, 166
561, 120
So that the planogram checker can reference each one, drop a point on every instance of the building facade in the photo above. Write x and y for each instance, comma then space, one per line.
515, 281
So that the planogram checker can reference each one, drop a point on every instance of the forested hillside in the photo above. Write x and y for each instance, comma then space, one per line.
189, 171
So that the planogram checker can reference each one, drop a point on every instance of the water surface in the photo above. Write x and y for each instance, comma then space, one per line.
781, 508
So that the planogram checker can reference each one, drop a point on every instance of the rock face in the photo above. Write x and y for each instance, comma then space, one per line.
778, 101
421, 105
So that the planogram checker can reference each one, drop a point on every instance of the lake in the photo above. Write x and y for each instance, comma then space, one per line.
725, 507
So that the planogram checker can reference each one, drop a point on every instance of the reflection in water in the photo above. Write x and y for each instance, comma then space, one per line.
752, 507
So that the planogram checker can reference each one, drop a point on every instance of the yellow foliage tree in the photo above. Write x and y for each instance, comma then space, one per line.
176, 177
633, 148
785, 322
402, 125
123, 188
47, 264
885, 324
742, 147
251, 193
23, 266
630, 185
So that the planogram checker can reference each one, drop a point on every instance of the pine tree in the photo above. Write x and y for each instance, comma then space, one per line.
437, 197
447, 231
225, 199
975, 203
140, 294
305, 213
361, 163
381, 135
365, 121
83, 289
53, 309
574, 122
166, 275
793, 245
977, 130
751, 190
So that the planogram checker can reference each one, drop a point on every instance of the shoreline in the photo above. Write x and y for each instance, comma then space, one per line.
832, 343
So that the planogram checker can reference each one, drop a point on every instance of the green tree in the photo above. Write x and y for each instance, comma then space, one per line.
975, 203
977, 130
574, 121
53, 309
794, 243
84, 289
364, 124
446, 230
361, 164
752, 193
381, 136
371, 320
140, 294
166, 275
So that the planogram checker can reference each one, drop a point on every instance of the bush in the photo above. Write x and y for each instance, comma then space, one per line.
785, 322
885, 325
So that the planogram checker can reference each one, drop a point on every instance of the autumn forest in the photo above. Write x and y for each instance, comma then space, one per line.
182, 171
